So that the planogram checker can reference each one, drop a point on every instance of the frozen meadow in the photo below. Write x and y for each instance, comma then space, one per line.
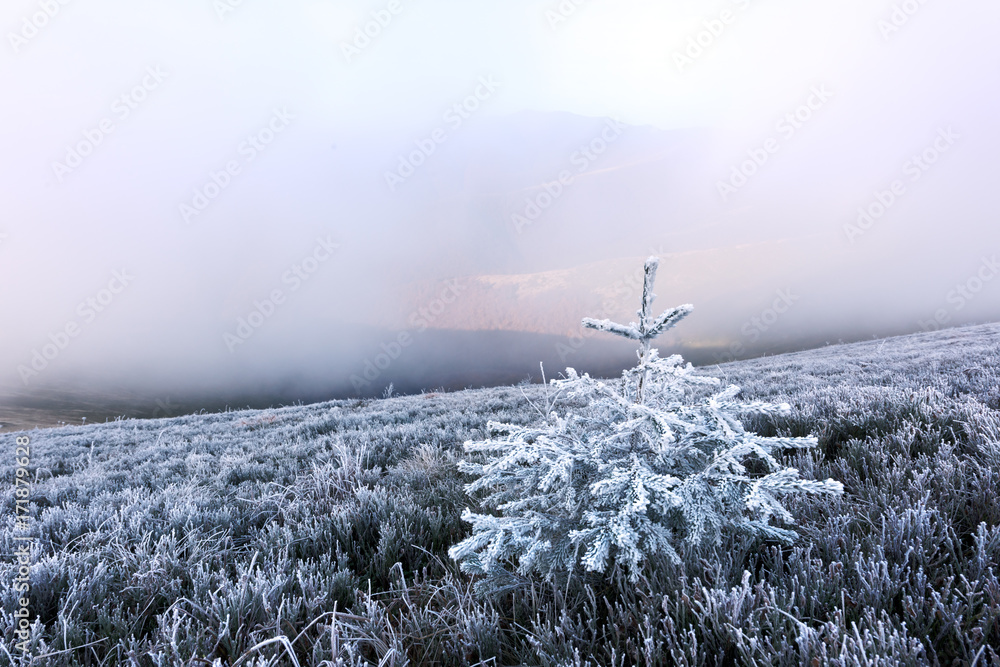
319, 534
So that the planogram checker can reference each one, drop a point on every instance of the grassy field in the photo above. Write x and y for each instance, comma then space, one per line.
317, 535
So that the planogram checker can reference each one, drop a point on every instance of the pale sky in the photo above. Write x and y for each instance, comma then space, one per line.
200, 76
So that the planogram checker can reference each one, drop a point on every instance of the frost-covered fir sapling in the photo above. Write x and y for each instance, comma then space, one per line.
651, 462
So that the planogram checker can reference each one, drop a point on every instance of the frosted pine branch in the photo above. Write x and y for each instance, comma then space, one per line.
625, 330
669, 319
647, 328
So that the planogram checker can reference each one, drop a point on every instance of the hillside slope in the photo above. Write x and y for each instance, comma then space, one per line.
174, 541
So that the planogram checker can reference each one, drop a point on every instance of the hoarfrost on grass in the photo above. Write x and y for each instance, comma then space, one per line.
151, 534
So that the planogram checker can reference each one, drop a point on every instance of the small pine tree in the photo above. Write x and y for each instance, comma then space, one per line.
655, 461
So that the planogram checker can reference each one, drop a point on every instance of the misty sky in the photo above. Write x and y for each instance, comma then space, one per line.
182, 164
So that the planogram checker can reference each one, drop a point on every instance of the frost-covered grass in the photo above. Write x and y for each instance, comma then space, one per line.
325, 529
